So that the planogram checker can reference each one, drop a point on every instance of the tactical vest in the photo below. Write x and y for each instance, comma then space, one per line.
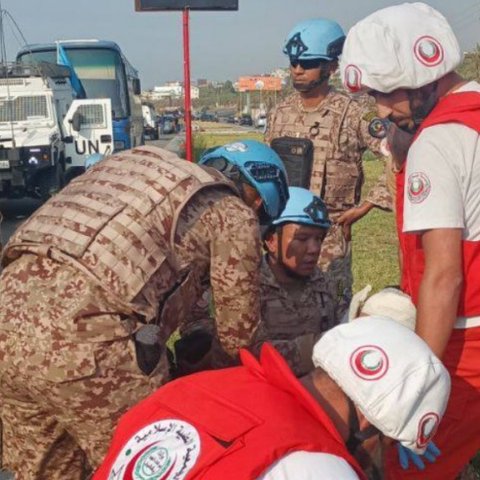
117, 222
336, 173
463, 108
229, 424
285, 317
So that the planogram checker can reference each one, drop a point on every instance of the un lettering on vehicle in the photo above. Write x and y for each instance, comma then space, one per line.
87, 147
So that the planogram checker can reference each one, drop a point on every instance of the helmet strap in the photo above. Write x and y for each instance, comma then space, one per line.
356, 437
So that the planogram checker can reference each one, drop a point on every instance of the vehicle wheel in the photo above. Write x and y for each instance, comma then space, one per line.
49, 182
73, 172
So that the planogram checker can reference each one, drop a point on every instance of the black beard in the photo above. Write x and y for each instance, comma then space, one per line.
308, 87
429, 99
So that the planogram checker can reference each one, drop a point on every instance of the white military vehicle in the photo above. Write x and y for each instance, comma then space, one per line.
45, 133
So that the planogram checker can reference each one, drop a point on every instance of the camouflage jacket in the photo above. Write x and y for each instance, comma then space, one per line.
294, 320
150, 230
338, 128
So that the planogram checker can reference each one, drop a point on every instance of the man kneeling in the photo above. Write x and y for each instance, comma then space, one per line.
298, 302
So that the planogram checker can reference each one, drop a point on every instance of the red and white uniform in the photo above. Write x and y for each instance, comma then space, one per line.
442, 190
250, 422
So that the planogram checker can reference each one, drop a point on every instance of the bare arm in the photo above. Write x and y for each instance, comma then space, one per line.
440, 287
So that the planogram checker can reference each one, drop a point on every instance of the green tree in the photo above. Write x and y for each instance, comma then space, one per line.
470, 67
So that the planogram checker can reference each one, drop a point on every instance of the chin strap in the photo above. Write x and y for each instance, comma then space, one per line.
356, 436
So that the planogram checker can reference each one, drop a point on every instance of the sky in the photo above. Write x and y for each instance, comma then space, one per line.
223, 45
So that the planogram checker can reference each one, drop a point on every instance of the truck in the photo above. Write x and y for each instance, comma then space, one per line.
45, 132
150, 128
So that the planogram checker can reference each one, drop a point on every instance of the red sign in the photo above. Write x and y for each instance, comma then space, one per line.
159, 5
246, 84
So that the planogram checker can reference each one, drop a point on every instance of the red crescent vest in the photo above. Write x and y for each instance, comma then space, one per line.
464, 108
228, 424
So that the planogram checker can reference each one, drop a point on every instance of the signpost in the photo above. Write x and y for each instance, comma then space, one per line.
185, 6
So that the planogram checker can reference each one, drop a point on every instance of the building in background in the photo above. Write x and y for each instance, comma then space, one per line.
172, 90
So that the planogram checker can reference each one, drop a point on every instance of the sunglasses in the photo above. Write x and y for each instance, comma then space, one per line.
308, 64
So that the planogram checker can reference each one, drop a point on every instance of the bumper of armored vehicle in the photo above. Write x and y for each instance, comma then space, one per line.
22, 171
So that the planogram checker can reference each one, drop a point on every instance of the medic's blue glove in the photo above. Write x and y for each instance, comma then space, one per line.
405, 456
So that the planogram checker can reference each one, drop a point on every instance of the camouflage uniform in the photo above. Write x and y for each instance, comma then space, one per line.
338, 128
132, 241
1, 239
293, 318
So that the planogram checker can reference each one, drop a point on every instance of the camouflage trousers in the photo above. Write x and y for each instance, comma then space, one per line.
336, 260
63, 383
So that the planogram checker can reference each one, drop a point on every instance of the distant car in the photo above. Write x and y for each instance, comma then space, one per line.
246, 119
261, 121
167, 124
150, 129
208, 117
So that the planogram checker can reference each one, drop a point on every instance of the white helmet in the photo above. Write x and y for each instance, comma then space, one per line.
404, 46
391, 374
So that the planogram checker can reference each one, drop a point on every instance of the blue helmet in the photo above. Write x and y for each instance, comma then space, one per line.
305, 208
315, 39
91, 160
259, 165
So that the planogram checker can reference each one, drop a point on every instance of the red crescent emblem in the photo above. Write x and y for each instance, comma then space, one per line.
369, 362
353, 78
427, 427
428, 51
128, 475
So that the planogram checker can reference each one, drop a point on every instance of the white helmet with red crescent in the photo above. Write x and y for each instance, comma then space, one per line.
390, 374
404, 46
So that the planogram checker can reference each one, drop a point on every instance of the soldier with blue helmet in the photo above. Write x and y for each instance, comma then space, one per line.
298, 300
96, 281
313, 44
256, 170
321, 135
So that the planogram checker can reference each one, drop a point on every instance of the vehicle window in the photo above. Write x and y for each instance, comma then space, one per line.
22, 109
91, 115
100, 70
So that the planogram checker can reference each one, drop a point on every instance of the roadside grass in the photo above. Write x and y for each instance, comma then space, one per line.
375, 246
204, 140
